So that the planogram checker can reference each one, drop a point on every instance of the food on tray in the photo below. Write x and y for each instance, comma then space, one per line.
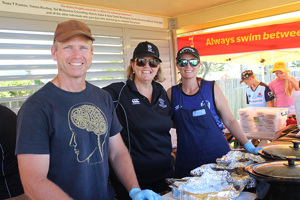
238, 167
230, 157
233, 163
254, 158
241, 179
222, 180
234, 156
203, 168
211, 185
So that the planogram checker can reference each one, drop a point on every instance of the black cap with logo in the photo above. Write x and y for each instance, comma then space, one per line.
146, 48
189, 50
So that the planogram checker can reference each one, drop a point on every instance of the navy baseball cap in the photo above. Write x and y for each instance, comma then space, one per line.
146, 48
189, 50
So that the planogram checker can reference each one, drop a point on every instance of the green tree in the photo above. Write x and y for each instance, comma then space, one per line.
18, 93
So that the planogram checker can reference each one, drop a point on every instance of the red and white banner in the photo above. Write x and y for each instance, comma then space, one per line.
272, 37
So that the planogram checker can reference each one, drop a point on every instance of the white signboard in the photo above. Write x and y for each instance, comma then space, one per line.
71, 11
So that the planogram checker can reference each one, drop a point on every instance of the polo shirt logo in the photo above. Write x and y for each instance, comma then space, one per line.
162, 103
135, 101
270, 94
207, 103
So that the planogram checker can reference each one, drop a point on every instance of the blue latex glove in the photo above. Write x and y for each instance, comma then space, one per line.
138, 194
251, 148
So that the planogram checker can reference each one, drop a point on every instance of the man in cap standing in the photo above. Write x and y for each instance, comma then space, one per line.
68, 130
258, 93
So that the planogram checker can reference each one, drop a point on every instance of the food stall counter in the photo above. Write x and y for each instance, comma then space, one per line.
284, 136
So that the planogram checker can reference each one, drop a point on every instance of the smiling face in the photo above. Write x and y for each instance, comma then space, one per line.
144, 73
188, 71
74, 56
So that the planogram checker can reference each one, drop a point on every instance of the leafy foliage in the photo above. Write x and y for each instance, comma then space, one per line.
18, 93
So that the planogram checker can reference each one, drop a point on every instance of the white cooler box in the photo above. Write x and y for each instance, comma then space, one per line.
262, 122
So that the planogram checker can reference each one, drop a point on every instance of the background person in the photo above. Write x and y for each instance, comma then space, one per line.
283, 86
258, 94
10, 182
199, 108
143, 109
59, 125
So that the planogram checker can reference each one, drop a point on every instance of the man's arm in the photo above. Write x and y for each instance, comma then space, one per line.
122, 165
270, 103
121, 162
33, 170
269, 97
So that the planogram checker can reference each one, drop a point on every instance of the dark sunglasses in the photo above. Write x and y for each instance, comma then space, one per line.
193, 62
142, 62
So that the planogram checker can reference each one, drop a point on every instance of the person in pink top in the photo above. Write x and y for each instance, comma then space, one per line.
283, 86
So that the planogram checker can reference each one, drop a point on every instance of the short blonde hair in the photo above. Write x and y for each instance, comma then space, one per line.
131, 75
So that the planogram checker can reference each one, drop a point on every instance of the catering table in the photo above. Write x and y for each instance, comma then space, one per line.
283, 136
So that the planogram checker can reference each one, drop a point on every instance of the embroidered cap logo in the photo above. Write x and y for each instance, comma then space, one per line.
187, 50
150, 48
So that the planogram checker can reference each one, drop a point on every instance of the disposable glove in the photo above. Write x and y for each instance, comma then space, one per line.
251, 148
138, 194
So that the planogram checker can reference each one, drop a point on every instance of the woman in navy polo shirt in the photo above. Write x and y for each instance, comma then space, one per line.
144, 111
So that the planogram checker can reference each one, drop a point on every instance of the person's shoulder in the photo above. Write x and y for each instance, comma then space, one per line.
294, 78
41, 95
96, 89
175, 87
114, 89
263, 84
158, 85
207, 82
114, 86
6, 111
272, 82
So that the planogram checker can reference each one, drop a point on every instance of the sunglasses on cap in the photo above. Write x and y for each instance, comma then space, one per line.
184, 62
142, 62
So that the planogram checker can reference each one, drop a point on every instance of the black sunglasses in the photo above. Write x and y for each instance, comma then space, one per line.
142, 62
184, 62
